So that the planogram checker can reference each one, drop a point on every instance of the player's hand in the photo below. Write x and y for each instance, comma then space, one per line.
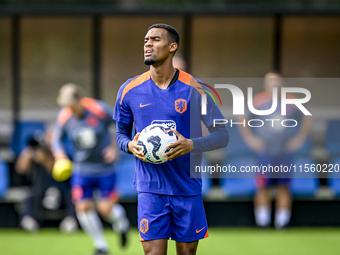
294, 144
109, 154
256, 143
60, 155
136, 149
181, 147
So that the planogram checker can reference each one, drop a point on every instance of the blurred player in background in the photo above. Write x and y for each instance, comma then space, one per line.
275, 146
179, 63
169, 201
87, 122
36, 161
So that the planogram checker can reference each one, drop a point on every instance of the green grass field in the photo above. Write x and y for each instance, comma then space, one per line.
232, 241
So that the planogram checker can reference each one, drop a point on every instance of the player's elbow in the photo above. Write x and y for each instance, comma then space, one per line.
225, 139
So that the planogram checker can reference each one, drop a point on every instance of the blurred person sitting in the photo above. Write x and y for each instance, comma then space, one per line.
36, 161
274, 145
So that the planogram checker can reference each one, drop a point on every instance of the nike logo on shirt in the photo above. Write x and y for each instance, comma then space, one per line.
143, 105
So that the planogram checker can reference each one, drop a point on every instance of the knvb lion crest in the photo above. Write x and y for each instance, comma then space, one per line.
181, 105
144, 226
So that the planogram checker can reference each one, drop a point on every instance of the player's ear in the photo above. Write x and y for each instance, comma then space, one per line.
173, 47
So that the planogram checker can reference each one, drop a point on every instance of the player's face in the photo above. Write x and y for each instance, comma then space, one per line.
271, 81
157, 47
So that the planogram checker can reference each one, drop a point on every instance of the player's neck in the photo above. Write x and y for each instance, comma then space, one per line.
162, 74
77, 110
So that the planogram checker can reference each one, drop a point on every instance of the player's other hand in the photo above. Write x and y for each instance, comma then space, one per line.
136, 149
255, 143
294, 144
109, 154
60, 155
181, 147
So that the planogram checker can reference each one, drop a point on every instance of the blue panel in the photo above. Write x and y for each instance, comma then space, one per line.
332, 140
304, 184
125, 169
4, 178
206, 179
334, 177
23, 132
239, 186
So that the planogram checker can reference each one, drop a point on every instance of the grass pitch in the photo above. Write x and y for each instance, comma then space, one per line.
230, 241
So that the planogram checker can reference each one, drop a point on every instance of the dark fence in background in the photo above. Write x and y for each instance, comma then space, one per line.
168, 6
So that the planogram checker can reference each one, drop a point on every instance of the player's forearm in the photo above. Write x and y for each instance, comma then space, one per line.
57, 147
46, 159
245, 130
305, 128
24, 161
217, 139
123, 136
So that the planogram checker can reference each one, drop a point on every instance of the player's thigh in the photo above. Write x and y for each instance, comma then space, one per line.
105, 207
107, 187
108, 194
155, 247
189, 220
186, 248
285, 163
154, 216
82, 188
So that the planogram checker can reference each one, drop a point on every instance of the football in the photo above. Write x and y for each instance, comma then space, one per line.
153, 139
62, 170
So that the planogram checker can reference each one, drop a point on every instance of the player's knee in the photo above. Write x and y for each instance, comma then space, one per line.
187, 248
155, 247
189, 251
104, 210
84, 207
284, 188
154, 251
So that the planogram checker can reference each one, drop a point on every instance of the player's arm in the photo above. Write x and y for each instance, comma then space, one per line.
123, 136
57, 147
297, 141
24, 161
179, 148
217, 139
125, 143
110, 152
124, 121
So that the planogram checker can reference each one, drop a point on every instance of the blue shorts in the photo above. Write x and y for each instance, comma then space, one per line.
180, 218
83, 186
280, 177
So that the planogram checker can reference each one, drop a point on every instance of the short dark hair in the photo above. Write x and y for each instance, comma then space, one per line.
172, 32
